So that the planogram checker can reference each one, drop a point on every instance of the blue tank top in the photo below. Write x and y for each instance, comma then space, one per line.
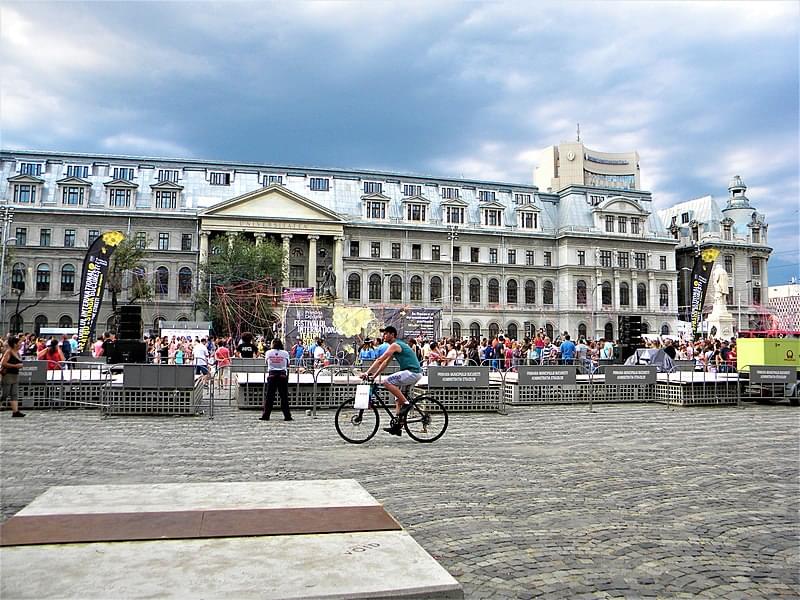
407, 359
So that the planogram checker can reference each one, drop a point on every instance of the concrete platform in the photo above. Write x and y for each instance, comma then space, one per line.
375, 564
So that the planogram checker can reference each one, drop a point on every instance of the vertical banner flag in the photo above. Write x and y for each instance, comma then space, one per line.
93, 279
701, 273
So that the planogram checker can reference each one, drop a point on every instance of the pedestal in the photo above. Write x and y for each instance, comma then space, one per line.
720, 320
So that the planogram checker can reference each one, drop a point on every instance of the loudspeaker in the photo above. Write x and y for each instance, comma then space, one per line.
624, 324
128, 351
130, 322
635, 330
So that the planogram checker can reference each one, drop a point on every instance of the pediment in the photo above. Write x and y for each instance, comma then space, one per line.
454, 202
273, 202
528, 207
417, 199
75, 181
121, 183
166, 185
620, 205
492, 204
30, 179
375, 198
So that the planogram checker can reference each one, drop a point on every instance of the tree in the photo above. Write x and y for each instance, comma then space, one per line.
127, 260
240, 277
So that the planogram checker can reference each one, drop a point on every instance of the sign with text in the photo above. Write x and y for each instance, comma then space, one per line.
458, 377
542, 375
776, 375
33, 371
630, 375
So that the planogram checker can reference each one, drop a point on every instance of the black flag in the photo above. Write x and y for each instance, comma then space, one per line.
701, 273
93, 280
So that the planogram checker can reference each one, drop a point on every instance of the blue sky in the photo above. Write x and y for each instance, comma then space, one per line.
702, 90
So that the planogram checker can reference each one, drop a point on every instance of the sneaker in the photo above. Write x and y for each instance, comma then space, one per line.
288, 419
18, 414
394, 430
263, 418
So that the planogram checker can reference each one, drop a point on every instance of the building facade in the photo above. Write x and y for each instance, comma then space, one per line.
784, 305
494, 257
572, 163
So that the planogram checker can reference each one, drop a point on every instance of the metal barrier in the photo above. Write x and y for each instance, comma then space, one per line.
686, 386
70, 385
151, 389
765, 383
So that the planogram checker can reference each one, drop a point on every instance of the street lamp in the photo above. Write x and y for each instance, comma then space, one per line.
452, 235
7, 216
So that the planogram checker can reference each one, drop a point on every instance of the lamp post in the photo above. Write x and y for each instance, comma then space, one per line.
594, 300
452, 235
7, 216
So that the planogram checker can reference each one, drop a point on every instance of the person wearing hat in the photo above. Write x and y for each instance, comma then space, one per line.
409, 374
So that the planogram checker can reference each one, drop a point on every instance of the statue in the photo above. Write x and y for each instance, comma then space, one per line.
328, 287
721, 282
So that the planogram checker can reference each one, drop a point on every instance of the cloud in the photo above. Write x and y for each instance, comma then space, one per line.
125, 143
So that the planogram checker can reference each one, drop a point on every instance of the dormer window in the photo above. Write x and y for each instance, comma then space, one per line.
376, 209
122, 173
119, 197
77, 171
684, 218
168, 175
595, 199
166, 199
528, 219
373, 187
726, 232
219, 178
272, 179
412, 189
416, 212
486, 196
25, 188
756, 235
522, 198
454, 215
27, 168
635, 226
492, 217
449, 193
74, 191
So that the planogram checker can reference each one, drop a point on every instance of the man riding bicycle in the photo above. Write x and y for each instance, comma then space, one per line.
409, 374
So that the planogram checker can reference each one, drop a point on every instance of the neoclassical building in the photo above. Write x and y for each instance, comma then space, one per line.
492, 256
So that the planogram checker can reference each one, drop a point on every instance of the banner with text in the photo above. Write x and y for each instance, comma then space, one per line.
701, 273
93, 280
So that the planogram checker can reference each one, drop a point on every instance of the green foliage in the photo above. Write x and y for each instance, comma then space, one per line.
127, 259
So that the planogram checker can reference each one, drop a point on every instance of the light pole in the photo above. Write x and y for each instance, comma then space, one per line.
594, 300
7, 216
452, 235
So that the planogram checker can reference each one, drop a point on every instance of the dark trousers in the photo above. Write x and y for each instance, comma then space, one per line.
277, 383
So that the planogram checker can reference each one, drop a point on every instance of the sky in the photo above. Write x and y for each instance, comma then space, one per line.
702, 90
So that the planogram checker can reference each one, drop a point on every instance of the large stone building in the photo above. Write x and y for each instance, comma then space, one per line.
784, 305
573, 258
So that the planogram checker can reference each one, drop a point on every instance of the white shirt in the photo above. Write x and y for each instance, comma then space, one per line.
200, 355
319, 353
277, 360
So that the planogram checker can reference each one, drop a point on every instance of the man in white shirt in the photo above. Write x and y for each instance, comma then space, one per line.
200, 358
319, 354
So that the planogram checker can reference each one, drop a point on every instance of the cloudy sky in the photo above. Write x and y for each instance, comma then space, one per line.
702, 90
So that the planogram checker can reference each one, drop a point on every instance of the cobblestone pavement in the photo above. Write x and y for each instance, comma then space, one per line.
630, 501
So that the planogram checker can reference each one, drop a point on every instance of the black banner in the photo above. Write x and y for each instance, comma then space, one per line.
93, 280
701, 273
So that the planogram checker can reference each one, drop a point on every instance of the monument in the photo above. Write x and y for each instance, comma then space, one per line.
720, 321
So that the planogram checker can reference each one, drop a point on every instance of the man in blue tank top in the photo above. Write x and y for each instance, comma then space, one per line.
409, 374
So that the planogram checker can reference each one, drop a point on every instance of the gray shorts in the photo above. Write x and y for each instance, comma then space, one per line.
403, 378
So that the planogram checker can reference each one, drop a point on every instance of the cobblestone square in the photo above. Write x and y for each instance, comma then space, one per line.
630, 501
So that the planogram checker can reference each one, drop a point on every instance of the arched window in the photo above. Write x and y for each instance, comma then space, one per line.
43, 278
436, 289
547, 292
665, 329
375, 284
456, 290
494, 291
624, 294
549, 330
645, 327
18, 277
606, 293
16, 324
395, 288
582, 331
183, 319
511, 291
641, 294
455, 328
474, 290
354, 286
65, 321
511, 330
475, 330
416, 288
158, 323
530, 292
39, 322
608, 331
494, 330
162, 281
580, 293
663, 295
68, 278
185, 281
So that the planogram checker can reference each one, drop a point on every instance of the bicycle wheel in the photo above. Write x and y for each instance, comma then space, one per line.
356, 425
426, 420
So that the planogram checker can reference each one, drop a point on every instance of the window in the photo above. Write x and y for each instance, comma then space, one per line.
186, 241
166, 199
454, 215
641, 295
547, 292
695, 233
141, 240
456, 293
44, 237
529, 257
168, 175
455, 330
93, 235
755, 266
436, 252
581, 257
624, 260
373, 187
319, 184
122, 173
493, 256
77, 171
756, 295
594, 200
582, 331
354, 248
449, 193
119, 197
606, 293
548, 259
475, 330
162, 281
375, 291
622, 224
662, 263
354, 287
15, 323
522, 198
486, 196
456, 254
492, 217
474, 290
395, 250
529, 220
68, 278
511, 291
663, 295
163, 241
608, 331
494, 291
729, 264
416, 288
22, 236
217, 178
580, 293
18, 277
185, 281
624, 294
416, 251
395, 288
34, 169
756, 235
726, 232
474, 254
609, 224
530, 292
416, 212
512, 257
297, 275
375, 249
411, 189
684, 218
72, 195
273, 179
634, 226
65, 321
376, 210
42, 278
24, 193
640, 260
436, 289
39, 322
69, 238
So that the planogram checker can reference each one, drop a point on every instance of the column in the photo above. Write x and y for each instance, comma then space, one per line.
204, 247
615, 292
312, 261
338, 265
652, 300
260, 237
285, 266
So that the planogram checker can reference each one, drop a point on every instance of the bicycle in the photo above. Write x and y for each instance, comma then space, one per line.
424, 418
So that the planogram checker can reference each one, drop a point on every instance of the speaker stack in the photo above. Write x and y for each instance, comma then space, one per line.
129, 347
630, 335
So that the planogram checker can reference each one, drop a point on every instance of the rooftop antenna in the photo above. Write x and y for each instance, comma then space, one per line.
579, 132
